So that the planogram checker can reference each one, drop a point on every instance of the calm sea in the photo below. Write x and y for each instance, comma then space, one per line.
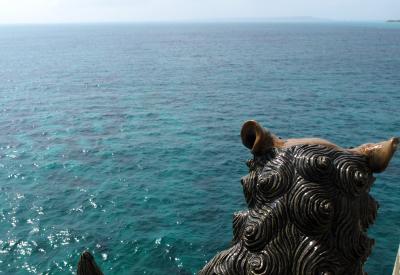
123, 139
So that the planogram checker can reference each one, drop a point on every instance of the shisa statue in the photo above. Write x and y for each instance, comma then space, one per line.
308, 207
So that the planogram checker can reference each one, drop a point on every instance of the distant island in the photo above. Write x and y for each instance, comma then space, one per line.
290, 19
393, 21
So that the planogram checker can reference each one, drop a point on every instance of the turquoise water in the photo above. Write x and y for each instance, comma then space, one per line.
124, 139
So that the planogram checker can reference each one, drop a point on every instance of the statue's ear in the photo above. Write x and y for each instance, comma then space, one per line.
87, 265
378, 154
256, 138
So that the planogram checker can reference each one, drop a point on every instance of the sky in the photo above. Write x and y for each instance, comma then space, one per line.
74, 11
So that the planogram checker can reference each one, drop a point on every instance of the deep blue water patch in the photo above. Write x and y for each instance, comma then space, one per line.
124, 139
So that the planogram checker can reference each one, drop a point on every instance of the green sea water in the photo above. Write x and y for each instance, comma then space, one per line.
123, 139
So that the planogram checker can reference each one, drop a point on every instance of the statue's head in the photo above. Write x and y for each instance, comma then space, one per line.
259, 140
309, 206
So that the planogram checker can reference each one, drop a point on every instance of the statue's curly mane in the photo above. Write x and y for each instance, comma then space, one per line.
308, 212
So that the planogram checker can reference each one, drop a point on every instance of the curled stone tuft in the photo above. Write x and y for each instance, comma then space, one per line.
308, 212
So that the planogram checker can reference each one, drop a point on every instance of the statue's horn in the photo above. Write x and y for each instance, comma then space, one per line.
379, 154
256, 138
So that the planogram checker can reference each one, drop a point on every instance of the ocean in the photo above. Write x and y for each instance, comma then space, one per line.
124, 139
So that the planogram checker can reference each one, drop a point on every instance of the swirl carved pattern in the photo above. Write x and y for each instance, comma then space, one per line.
308, 213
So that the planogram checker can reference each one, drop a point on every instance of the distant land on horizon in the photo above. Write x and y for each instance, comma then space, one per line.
393, 21
276, 19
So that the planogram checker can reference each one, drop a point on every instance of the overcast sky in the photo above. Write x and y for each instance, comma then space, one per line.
55, 11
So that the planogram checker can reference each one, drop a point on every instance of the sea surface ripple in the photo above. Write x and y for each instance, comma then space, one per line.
123, 139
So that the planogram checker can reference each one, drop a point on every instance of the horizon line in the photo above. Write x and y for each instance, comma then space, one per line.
297, 19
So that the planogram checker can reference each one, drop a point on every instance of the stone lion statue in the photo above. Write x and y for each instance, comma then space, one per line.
309, 207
